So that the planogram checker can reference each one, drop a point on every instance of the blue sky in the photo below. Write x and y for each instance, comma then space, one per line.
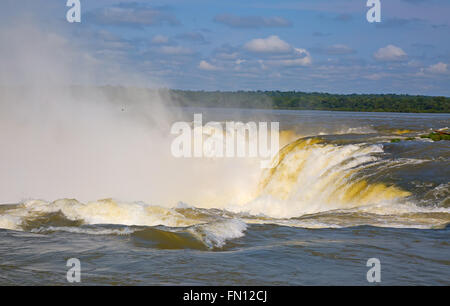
304, 45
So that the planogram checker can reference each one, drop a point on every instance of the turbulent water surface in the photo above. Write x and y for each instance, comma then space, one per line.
341, 192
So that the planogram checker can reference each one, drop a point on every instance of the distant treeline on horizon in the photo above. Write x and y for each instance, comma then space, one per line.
314, 101
294, 100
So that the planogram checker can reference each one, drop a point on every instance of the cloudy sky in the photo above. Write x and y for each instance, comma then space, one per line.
305, 45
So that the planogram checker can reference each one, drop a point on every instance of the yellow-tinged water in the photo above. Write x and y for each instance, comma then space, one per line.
336, 197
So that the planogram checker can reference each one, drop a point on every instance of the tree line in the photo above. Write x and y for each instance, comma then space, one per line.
314, 101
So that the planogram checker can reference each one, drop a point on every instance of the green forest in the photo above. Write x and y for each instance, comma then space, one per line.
314, 101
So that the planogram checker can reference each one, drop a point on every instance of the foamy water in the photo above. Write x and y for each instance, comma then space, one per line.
322, 187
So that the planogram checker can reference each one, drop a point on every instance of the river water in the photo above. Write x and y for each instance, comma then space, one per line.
347, 187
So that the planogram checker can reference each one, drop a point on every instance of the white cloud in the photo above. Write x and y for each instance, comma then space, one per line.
299, 57
302, 58
376, 76
439, 68
339, 49
296, 62
227, 56
271, 44
175, 50
414, 64
160, 39
204, 65
283, 53
390, 53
